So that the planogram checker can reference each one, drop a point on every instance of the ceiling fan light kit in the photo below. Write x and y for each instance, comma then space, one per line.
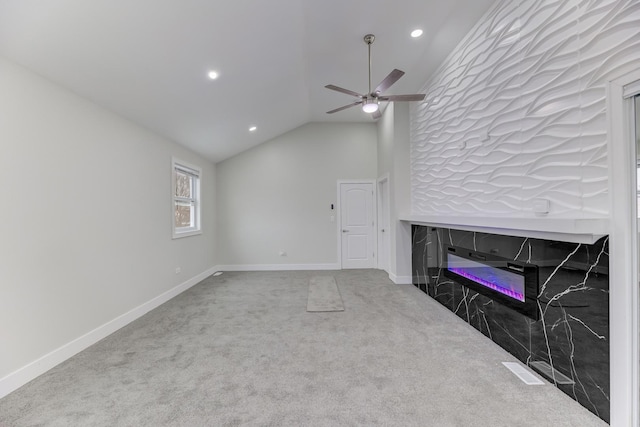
371, 105
371, 101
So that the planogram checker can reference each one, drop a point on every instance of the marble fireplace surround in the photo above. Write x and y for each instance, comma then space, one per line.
569, 345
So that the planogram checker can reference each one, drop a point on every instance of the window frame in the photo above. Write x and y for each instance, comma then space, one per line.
196, 174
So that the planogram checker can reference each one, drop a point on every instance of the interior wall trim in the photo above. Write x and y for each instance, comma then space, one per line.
400, 280
279, 267
623, 252
23, 375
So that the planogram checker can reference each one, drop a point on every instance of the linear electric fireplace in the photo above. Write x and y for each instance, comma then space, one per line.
512, 283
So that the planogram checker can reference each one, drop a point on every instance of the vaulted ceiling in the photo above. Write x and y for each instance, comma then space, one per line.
147, 60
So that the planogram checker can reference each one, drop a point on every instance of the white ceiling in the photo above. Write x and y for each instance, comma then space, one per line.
147, 59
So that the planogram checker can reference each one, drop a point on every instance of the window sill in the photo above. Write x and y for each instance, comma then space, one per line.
181, 234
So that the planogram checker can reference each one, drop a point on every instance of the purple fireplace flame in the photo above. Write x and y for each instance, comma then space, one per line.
499, 280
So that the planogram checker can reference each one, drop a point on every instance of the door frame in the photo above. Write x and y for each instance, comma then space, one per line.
339, 216
384, 178
623, 255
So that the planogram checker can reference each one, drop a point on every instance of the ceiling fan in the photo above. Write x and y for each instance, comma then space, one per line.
371, 100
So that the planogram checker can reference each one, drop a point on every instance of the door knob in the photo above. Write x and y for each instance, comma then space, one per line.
382, 230
345, 231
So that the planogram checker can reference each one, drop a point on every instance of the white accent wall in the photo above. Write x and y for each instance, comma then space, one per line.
517, 112
276, 197
85, 223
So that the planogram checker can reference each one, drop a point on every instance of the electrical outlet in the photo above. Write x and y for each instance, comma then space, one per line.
282, 253
178, 270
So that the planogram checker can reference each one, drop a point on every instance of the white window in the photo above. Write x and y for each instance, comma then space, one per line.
186, 198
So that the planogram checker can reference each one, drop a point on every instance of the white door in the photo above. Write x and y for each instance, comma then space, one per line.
357, 225
383, 225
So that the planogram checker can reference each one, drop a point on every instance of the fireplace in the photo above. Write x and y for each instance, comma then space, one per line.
511, 283
544, 301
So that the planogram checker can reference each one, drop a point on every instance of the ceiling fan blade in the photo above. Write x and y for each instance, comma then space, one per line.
376, 114
415, 97
389, 80
343, 90
344, 107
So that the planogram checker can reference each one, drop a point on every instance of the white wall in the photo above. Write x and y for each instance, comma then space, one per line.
85, 223
385, 141
518, 111
277, 196
393, 160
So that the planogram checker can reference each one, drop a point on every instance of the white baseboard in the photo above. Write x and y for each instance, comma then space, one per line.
18, 378
401, 280
278, 267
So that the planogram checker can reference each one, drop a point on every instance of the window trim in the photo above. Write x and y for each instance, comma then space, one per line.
196, 172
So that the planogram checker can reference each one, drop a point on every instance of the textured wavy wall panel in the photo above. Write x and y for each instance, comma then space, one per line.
517, 112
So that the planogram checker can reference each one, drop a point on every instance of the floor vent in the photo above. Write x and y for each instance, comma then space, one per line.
549, 373
525, 375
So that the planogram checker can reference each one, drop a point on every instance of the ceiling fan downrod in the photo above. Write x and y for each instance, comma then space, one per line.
368, 39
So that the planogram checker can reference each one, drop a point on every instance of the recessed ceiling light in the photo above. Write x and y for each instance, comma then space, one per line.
416, 33
212, 74
252, 129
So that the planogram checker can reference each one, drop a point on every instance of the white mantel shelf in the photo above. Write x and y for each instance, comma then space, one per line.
585, 230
